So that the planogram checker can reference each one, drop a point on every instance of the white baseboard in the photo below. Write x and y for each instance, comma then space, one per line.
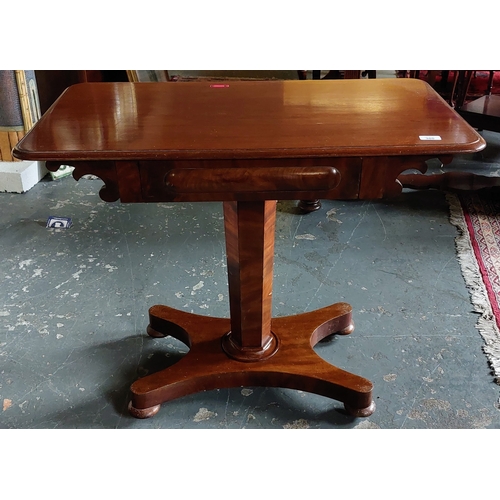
20, 176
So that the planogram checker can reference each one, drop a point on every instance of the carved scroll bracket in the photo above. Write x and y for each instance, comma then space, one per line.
105, 170
381, 177
445, 160
449, 181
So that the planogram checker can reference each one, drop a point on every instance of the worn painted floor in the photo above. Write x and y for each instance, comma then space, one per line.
74, 302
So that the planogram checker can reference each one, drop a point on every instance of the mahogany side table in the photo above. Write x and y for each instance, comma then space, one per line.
248, 144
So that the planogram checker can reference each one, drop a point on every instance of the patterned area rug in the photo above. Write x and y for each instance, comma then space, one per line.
477, 217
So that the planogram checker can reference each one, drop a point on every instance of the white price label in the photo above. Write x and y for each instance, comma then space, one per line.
429, 137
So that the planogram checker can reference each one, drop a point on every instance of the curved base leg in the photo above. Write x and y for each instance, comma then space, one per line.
294, 364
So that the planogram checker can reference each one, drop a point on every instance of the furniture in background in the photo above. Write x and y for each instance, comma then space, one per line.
346, 74
457, 87
482, 113
337, 74
248, 144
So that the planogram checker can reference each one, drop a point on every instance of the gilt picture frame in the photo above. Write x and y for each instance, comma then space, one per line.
147, 75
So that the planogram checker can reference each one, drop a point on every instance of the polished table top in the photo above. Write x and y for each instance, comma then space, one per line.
265, 119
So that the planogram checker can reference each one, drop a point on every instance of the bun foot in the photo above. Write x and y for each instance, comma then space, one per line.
143, 412
360, 412
347, 330
154, 333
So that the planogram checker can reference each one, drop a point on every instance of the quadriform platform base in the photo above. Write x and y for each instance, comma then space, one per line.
251, 349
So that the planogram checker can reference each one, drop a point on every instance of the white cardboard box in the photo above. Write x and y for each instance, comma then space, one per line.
20, 176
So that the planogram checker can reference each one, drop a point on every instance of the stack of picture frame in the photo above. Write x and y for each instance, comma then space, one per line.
19, 108
147, 75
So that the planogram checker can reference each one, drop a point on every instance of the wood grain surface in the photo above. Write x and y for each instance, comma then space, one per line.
265, 119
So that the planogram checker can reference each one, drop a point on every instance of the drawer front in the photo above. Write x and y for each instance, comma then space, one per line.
245, 180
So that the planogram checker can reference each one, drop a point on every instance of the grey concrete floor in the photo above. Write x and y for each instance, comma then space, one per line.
74, 303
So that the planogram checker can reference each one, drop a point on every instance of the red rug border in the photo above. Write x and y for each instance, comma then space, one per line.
480, 261
474, 272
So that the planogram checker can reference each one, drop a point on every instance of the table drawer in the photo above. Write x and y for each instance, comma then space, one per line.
245, 180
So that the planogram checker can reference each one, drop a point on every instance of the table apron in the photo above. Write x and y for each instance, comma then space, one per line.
341, 178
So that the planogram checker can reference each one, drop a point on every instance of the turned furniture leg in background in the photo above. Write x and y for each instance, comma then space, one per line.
307, 206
